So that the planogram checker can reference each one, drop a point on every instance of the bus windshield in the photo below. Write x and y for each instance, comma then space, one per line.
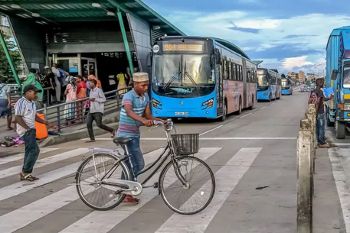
285, 83
180, 75
346, 82
262, 80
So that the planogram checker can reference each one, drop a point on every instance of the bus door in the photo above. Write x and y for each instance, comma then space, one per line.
219, 88
245, 84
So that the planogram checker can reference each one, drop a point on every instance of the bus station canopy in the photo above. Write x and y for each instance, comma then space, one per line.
54, 12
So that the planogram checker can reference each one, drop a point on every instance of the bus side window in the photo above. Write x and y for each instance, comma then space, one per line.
241, 72
225, 69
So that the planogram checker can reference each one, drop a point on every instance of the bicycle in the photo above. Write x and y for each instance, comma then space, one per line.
186, 183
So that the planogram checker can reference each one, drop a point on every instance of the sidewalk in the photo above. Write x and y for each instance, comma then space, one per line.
327, 216
331, 209
74, 132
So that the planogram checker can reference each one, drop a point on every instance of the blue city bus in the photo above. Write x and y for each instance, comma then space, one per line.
200, 77
287, 87
269, 85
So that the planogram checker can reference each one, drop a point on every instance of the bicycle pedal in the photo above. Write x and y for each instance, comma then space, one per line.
156, 185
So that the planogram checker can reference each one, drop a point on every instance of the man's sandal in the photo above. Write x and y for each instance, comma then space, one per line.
28, 177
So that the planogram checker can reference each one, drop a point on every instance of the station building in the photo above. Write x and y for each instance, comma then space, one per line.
81, 36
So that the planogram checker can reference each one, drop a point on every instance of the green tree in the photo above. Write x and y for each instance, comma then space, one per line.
5, 69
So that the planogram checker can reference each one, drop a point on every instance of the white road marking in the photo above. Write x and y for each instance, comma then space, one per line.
250, 138
341, 144
20, 156
211, 130
246, 115
263, 107
227, 179
340, 181
45, 161
23, 186
27, 214
216, 138
104, 221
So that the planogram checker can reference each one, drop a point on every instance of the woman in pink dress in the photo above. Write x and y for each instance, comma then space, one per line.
71, 97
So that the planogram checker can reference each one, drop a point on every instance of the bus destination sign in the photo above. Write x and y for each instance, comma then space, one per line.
183, 47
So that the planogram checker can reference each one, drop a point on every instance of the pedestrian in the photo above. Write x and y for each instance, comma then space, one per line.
92, 76
32, 80
320, 109
5, 103
97, 99
49, 84
63, 81
135, 112
121, 78
81, 94
25, 114
58, 87
71, 97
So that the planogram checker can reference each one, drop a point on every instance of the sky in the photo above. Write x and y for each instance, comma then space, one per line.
287, 35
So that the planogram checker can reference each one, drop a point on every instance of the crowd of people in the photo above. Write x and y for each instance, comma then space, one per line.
58, 86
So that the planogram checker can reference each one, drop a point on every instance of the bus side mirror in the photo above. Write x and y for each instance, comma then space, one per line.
334, 74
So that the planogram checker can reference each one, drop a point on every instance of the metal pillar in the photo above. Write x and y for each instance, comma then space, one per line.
9, 59
125, 42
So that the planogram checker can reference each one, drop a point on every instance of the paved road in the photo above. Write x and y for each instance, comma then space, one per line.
332, 182
253, 156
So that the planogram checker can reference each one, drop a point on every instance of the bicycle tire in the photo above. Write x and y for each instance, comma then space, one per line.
79, 180
206, 180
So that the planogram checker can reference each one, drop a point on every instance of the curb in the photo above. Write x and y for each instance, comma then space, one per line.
79, 134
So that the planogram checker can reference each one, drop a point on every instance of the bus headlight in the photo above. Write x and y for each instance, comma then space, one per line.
156, 104
208, 104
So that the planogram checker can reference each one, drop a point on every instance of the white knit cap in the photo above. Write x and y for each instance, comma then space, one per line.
140, 77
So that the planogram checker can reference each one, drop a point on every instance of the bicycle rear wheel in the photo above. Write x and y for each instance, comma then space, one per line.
198, 190
89, 181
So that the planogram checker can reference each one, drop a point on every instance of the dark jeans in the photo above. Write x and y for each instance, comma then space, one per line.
31, 151
97, 116
320, 129
136, 162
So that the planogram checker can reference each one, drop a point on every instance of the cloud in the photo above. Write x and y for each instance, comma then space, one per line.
283, 39
291, 63
298, 36
249, 30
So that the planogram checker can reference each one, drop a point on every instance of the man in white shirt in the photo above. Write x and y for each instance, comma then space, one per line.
97, 99
25, 112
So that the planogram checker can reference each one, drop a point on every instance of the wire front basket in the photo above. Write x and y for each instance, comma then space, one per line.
186, 144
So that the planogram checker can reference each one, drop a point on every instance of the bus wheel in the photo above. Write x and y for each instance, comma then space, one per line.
224, 112
270, 97
340, 130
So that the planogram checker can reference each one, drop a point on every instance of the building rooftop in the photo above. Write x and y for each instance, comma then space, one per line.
46, 12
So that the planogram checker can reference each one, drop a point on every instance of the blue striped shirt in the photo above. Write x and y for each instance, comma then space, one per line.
129, 127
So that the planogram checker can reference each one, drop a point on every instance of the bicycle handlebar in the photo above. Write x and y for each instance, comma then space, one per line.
168, 124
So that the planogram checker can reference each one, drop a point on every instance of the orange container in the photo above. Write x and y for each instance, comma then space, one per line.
41, 129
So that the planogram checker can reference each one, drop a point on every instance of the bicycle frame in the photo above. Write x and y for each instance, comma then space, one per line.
169, 149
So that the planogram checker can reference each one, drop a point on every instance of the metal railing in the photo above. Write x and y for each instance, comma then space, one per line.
306, 151
65, 115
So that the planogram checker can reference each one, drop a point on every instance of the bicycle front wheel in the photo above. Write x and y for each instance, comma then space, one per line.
90, 176
187, 185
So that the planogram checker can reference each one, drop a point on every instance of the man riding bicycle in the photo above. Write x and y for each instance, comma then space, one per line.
134, 113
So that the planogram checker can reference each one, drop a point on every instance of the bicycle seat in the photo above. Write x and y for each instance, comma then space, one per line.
121, 140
